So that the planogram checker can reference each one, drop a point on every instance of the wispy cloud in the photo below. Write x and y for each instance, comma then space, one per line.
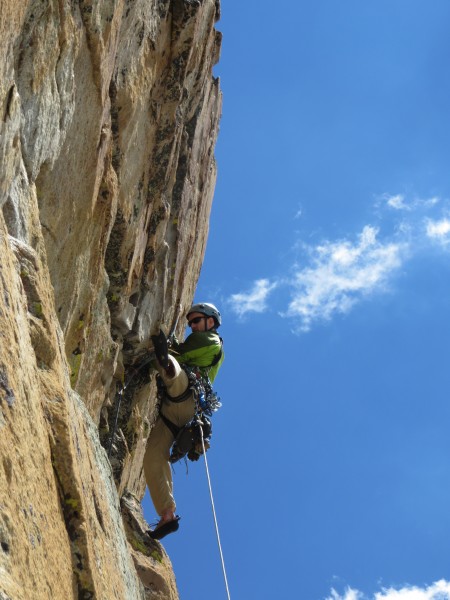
349, 594
253, 300
399, 202
440, 590
299, 213
335, 275
340, 275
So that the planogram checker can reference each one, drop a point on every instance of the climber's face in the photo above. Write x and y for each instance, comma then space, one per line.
200, 322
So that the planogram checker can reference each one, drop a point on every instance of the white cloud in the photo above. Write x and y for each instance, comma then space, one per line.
349, 594
429, 202
399, 202
336, 275
438, 229
254, 300
342, 273
440, 590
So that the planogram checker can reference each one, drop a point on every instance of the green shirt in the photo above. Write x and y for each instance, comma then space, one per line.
200, 349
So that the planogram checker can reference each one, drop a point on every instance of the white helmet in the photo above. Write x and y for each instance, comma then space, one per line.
206, 309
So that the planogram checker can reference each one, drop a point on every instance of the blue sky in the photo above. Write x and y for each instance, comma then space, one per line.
329, 256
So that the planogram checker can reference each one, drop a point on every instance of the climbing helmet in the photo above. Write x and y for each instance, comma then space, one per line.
206, 309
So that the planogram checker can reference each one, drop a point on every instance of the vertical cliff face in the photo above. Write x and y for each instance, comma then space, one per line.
108, 121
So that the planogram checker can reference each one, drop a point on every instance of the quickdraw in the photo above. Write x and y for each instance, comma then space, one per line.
206, 399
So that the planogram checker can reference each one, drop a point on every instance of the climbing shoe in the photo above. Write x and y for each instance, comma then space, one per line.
161, 349
164, 529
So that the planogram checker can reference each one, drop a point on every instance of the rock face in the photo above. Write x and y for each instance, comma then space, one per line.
109, 115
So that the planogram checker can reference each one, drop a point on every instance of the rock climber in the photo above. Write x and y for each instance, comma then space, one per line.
202, 349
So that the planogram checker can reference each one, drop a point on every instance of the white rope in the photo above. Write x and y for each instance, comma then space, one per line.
214, 515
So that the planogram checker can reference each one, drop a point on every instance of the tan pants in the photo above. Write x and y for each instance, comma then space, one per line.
157, 469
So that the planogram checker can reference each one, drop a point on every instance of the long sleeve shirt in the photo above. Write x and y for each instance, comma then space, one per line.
200, 349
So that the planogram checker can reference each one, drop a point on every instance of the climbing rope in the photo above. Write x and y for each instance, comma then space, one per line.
116, 419
214, 514
135, 372
120, 398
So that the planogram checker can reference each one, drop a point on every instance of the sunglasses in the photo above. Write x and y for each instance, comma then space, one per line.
196, 320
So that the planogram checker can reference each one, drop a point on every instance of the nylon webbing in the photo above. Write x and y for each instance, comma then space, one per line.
214, 515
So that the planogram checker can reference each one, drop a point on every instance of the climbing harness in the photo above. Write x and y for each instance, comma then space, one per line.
214, 514
187, 439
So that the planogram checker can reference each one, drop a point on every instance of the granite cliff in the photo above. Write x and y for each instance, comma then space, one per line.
109, 115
